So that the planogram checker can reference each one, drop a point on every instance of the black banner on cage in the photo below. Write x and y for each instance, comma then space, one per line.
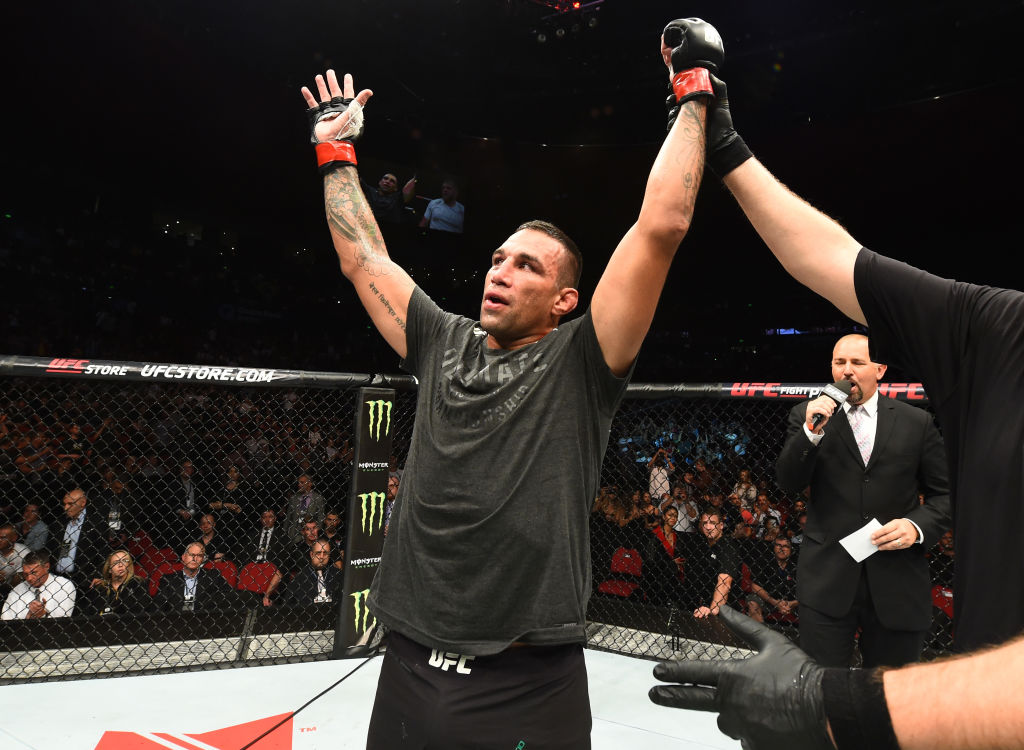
367, 509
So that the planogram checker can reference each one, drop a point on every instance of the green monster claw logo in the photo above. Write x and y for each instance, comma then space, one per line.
374, 502
377, 409
362, 611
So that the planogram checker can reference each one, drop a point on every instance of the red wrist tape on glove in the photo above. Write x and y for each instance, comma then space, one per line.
335, 152
692, 81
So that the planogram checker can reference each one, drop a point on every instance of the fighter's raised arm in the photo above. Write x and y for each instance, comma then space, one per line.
813, 248
383, 286
625, 299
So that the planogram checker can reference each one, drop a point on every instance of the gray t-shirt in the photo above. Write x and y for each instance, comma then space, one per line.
489, 540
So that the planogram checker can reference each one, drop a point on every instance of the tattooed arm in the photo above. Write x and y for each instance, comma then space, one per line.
626, 296
381, 284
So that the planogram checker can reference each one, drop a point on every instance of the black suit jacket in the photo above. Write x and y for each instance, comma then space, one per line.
92, 549
212, 593
907, 457
302, 590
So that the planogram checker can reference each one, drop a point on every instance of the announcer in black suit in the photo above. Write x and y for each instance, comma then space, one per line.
888, 595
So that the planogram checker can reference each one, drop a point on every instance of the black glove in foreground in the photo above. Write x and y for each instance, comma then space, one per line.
771, 701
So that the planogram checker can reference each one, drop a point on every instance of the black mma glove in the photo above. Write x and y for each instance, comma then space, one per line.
771, 701
696, 49
726, 150
333, 154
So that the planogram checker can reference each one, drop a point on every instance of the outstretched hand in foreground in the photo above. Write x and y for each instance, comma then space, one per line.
771, 701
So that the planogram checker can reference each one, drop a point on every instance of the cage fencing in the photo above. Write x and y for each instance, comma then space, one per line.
163, 517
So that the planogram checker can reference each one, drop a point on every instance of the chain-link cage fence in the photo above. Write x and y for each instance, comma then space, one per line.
172, 517
688, 494
172, 520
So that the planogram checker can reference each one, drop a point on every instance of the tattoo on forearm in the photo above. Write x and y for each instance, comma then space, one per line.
349, 216
691, 126
384, 301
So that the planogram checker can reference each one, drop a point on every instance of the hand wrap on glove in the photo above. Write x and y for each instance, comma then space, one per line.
339, 151
696, 49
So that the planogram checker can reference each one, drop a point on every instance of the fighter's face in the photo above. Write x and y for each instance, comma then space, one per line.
851, 361
522, 300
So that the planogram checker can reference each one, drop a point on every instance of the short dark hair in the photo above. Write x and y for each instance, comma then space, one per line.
41, 557
571, 270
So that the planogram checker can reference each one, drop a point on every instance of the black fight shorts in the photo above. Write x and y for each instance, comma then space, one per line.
525, 698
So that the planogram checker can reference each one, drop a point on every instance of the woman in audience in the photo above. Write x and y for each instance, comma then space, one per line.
118, 591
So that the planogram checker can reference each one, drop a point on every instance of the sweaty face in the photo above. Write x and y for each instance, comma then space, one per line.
522, 299
851, 361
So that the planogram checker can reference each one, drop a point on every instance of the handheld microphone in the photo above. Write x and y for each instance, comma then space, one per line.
839, 391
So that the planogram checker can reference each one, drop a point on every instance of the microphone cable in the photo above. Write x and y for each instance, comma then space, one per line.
319, 695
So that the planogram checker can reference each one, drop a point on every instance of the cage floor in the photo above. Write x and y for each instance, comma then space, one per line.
228, 709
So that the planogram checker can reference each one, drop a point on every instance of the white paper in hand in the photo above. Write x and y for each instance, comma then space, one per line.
858, 544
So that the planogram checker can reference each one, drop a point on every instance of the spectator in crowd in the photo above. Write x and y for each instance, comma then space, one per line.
711, 566
81, 546
763, 512
40, 594
666, 567
386, 202
869, 458
288, 565
659, 473
773, 588
318, 581
391, 496
118, 591
229, 506
334, 534
267, 543
184, 495
940, 561
445, 214
686, 508
194, 589
801, 525
12, 553
704, 479
791, 524
744, 491
304, 503
76, 445
650, 516
216, 547
115, 503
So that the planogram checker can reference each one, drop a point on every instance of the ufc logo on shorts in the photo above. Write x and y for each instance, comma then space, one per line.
446, 659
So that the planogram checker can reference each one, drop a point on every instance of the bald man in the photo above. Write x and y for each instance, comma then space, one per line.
871, 458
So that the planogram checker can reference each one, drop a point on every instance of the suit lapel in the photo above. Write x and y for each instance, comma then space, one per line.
842, 425
884, 424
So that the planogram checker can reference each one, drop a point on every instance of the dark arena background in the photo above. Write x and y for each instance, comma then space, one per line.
171, 295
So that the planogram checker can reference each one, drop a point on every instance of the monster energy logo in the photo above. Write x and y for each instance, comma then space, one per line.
362, 611
377, 409
374, 502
